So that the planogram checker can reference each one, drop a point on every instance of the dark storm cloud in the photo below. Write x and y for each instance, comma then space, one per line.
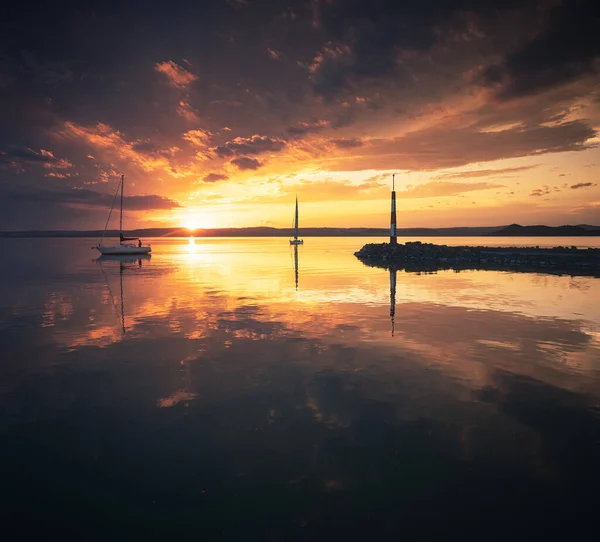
251, 145
244, 163
214, 177
566, 49
365, 37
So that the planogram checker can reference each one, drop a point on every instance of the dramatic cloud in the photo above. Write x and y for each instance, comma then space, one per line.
214, 177
567, 48
19, 156
370, 39
347, 143
582, 185
199, 138
446, 148
176, 75
105, 139
245, 163
249, 145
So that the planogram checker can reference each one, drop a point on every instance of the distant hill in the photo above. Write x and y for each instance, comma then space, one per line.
588, 227
516, 230
512, 230
261, 232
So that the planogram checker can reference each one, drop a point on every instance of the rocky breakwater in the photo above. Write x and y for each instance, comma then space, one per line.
418, 256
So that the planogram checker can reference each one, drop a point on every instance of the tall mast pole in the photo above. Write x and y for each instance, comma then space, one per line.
121, 218
393, 238
296, 221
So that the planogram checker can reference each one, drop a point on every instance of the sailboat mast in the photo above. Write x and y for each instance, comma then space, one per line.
296, 221
121, 217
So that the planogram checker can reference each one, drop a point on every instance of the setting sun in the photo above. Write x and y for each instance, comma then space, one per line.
194, 222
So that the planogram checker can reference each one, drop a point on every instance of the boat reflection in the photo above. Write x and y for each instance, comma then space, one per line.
296, 265
126, 261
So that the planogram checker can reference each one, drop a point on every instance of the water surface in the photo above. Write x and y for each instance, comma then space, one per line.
235, 388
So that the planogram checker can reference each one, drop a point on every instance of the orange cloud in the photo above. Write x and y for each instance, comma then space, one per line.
185, 110
104, 138
176, 75
53, 162
198, 138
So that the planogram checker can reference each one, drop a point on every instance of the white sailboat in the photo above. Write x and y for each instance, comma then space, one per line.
295, 240
123, 247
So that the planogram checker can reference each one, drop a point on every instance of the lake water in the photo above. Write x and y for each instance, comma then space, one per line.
231, 389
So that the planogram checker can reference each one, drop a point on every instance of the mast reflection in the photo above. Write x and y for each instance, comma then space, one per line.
296, 265
125, 262
393, 273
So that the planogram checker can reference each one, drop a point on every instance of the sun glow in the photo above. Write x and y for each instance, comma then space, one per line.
194, 222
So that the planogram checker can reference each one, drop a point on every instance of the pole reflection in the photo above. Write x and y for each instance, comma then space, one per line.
393, 273
296, 265
134, 261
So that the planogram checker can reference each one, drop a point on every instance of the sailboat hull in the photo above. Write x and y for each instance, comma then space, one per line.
296, 241
118, 250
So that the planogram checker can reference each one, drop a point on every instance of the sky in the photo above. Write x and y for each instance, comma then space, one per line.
220, 112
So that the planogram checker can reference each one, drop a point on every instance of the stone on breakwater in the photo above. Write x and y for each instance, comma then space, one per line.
480, 257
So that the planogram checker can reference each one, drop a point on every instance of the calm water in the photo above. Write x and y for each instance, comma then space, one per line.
213, 391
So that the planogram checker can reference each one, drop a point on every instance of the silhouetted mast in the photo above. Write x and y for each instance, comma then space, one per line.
296, 221
121, 218
393, 238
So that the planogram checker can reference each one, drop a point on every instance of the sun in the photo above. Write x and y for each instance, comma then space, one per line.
193, 222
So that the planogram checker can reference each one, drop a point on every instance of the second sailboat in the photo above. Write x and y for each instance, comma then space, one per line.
295, 240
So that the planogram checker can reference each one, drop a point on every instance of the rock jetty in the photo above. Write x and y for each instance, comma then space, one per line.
418, 256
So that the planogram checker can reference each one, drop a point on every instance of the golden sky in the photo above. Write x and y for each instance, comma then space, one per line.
220, 114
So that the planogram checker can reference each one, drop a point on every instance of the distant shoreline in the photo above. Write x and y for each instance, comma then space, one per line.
514, 230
